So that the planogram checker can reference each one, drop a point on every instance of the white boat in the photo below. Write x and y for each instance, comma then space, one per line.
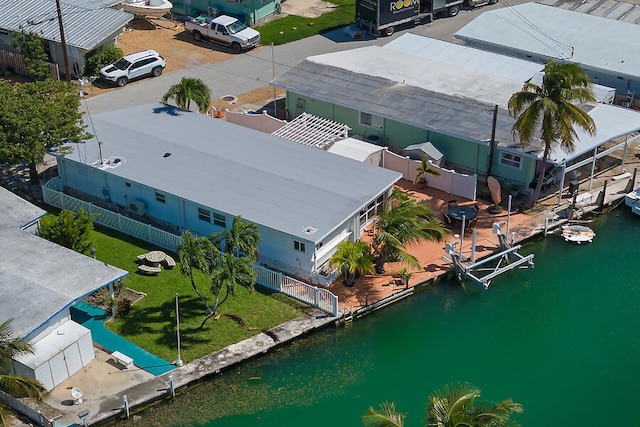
633, 201
146, 8
577, 234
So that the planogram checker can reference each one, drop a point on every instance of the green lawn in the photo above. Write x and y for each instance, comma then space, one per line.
151, 322
291, 28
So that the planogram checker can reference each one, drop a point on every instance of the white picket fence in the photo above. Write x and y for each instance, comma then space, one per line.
322, 299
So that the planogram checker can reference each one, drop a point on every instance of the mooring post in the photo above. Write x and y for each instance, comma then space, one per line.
473, 246
126, 405
604, 195
546, 226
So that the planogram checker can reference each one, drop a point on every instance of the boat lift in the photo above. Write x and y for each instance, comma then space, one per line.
484, 271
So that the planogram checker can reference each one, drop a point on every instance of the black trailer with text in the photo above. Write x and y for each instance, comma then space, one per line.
381, 17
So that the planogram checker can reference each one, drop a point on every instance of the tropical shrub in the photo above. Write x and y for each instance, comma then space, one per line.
101, 57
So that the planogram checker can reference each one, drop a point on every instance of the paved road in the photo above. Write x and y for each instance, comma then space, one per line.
255, 69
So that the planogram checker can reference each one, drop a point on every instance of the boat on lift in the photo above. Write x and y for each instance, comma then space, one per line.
146, 8
578, 234
632, 200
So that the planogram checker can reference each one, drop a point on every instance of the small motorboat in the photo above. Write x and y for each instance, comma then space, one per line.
146, 8
577, 234
632, 200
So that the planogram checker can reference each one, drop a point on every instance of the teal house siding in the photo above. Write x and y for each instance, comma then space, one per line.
470, 155
250, 11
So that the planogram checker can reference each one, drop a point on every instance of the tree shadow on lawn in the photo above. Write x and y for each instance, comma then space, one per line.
160, 322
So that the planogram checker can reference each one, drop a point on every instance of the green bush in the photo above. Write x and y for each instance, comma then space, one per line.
123, 307
101, 57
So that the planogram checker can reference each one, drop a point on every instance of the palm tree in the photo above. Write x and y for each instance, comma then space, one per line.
386, 416
242, 239
196, 253
353, 258
456, 405
423, 170
230, 273
403, 221
189, 89
553, 108
453, 406
10, 347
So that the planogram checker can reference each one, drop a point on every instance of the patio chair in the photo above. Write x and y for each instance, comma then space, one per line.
472, 223
446, 219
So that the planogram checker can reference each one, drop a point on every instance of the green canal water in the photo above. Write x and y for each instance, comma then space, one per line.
562, 339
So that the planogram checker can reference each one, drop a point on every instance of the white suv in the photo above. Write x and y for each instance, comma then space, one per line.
134, 66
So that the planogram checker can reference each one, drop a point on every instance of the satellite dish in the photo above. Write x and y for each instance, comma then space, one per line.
76, 393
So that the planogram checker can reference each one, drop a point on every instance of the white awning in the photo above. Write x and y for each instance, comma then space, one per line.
611, 122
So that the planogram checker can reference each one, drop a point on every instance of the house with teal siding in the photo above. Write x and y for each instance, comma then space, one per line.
248, 11
180, 170
418, 89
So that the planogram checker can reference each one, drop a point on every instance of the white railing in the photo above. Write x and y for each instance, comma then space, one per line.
315, 297
320, 298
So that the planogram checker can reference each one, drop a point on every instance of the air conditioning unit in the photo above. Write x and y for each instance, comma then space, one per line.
137, 207
213, 11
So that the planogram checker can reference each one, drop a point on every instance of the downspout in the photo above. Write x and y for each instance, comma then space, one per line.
493, 139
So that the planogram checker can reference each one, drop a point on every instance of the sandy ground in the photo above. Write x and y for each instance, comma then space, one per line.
181, 51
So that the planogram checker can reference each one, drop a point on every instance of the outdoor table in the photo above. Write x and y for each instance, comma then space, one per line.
457, 212
155, 257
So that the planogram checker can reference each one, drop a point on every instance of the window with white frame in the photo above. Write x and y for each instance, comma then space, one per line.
220, 220
299, 246
204, 215
511, 160
371, 120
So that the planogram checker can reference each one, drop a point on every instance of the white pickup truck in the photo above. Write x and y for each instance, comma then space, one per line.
225, 30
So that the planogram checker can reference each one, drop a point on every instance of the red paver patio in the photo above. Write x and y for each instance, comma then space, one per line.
371, 288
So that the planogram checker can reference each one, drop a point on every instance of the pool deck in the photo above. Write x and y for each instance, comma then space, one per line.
105, 384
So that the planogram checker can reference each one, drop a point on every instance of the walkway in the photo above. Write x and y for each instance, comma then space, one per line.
92, 318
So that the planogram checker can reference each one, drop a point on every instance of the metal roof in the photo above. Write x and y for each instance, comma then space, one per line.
464, 56
38, 278
268, 180
83, 28
416, 151
611, 122
533, 28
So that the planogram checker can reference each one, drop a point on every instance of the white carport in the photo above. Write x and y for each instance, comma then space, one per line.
612, 122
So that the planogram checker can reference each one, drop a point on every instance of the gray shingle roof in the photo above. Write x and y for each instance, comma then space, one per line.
38, 278
345, 78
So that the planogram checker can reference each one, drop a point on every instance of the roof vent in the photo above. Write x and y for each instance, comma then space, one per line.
309, 230
165, 155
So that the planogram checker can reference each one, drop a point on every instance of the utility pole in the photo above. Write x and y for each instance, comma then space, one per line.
64, 43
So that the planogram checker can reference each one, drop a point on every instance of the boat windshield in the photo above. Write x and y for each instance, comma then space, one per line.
236, 27
122, 64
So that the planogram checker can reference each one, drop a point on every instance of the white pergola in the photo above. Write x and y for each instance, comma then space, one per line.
313, 131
